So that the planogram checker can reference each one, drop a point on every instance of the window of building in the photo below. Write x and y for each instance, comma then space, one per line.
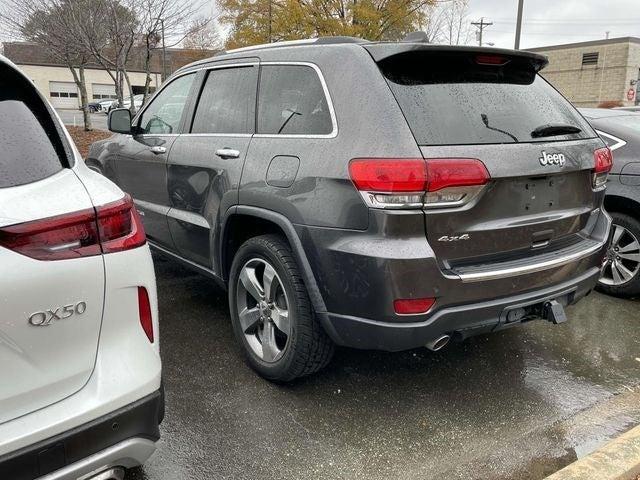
227, 103
590, 58
292, 101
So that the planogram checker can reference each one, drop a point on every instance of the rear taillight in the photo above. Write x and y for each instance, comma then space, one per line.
603, 161
110, 228
454, 181
144, 310
120, 226
418, 183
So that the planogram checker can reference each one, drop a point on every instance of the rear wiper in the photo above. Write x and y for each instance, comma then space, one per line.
553, 129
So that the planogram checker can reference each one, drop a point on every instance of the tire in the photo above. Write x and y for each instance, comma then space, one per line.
628, 245
279, 334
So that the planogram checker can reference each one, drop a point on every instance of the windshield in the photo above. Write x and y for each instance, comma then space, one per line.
451, 101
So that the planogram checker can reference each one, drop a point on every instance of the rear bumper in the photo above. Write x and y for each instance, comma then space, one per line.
361, 273
124, 438
460, 321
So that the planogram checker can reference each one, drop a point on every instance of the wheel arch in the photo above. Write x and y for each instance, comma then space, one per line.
263, 222
620, 204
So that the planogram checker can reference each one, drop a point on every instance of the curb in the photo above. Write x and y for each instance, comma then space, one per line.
617, 460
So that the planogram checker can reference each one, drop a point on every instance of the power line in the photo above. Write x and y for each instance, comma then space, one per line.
481, 25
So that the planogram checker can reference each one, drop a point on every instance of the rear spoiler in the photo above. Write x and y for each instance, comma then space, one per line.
383, 51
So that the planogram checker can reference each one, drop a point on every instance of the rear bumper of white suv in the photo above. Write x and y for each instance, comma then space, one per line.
127, 372
124, 438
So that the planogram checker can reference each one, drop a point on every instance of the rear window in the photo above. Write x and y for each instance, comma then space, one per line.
30, 145
451, 100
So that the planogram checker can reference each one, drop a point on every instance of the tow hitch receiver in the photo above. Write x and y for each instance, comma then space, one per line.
554, 312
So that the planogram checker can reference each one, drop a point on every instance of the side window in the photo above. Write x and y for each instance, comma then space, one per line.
227, 103
292, 101
31, 147
164, 113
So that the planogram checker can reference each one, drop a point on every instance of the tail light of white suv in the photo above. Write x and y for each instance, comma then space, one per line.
106, 229
417, 183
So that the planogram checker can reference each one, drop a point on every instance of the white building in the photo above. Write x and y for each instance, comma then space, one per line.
55, 81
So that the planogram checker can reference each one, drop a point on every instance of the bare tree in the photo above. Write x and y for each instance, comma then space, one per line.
203, 35
46, 23
107, 30
447, 22
161, 18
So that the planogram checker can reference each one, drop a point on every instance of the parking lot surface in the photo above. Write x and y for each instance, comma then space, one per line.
519, 404
74, 118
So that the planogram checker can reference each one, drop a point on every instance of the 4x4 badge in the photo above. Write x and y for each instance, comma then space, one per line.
552, 159
454, 238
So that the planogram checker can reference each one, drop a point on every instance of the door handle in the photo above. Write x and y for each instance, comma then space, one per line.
227, 153
158, 149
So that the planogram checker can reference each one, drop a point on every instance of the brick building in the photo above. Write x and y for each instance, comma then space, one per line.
55, 81
589, 73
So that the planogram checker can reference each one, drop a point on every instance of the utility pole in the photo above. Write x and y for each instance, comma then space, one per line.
270, 20
481, 26
519, 24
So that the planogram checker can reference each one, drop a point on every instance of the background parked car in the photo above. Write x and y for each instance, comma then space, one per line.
629, 109
126, 103
620, 129
80, 389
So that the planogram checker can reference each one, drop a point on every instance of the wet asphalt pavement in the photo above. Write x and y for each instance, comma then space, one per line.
518, 404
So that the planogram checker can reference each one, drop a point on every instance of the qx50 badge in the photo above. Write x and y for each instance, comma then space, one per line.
552, 159
46, 317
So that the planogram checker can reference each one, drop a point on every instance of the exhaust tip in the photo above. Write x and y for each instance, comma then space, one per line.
438, 343
116, 473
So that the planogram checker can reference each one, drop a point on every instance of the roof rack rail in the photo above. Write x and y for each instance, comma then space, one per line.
291, 43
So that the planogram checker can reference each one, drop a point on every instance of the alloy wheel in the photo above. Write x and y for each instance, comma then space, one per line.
622, 263
263, 310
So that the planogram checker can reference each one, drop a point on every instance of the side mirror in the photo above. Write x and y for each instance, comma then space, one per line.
119, 120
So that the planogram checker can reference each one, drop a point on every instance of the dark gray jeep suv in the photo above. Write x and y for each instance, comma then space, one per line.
374, 195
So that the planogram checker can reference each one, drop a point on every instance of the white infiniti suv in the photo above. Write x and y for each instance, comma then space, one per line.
80, 370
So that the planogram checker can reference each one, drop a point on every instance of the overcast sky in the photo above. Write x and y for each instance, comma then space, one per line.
546, 22
550, 22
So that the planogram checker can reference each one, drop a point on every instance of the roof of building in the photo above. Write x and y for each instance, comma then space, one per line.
608, 41
26, 53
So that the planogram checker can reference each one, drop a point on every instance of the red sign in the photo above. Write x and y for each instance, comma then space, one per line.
631, 94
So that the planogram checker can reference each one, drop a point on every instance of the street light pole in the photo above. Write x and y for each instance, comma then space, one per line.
164, 52
519, 24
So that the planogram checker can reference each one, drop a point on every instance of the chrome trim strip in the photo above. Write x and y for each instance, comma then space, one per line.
235, 135
525, 269
152, 207
128, 454
618, 142
189, 217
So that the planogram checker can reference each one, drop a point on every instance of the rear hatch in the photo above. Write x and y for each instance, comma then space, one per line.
51, 296
492, 106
